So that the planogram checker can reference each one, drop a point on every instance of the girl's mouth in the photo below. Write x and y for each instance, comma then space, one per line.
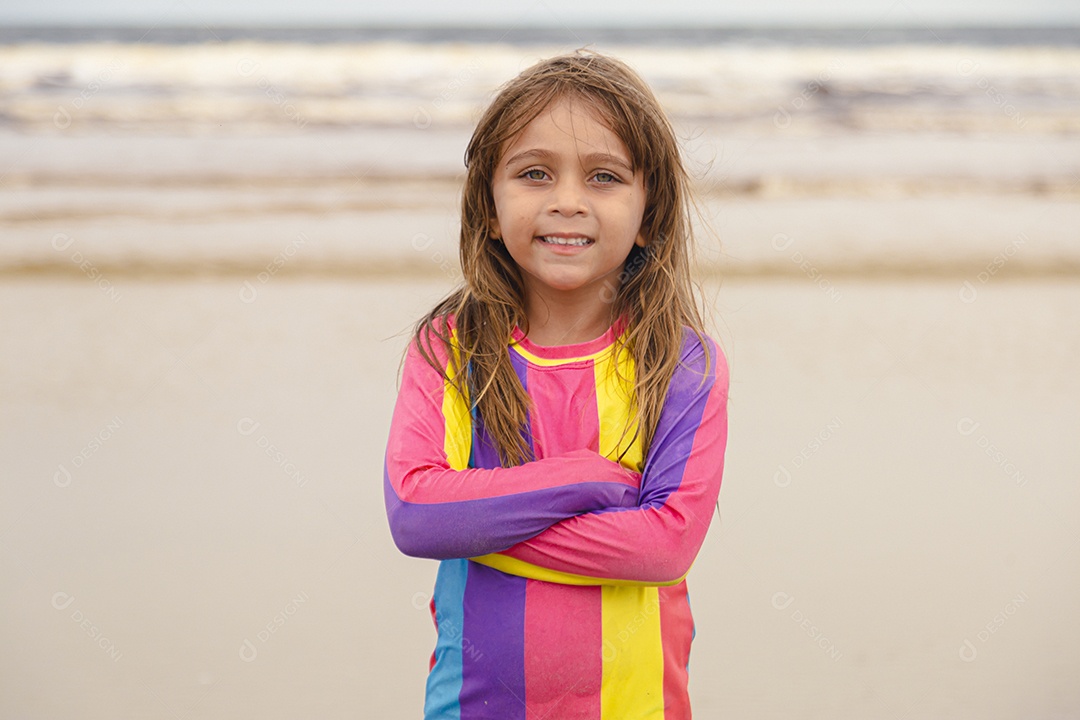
570, 241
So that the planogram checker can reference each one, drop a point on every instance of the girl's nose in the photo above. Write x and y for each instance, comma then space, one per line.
568, 197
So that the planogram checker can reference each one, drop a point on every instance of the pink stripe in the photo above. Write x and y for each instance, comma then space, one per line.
563, 658
570, 473
676, 627
566, 417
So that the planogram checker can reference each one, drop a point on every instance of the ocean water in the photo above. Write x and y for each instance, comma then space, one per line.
189, 149
209, 80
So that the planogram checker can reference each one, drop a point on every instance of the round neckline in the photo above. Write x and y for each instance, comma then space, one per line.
573, 351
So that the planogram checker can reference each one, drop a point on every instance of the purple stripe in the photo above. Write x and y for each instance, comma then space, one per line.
484, 452
683, 409
470, 528
493, 646
521, 367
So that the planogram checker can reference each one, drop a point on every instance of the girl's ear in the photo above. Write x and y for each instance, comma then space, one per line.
493, 228
640, 239
644, 228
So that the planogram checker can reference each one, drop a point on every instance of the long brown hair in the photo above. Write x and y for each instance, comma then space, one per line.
656, 294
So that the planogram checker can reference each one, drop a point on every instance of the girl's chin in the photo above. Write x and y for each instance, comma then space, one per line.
568, 285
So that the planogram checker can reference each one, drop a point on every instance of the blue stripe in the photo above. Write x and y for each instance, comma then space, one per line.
444, 681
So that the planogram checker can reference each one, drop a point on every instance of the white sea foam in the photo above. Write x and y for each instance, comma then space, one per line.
261, 83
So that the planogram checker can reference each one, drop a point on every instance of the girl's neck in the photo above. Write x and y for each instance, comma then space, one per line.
551, 324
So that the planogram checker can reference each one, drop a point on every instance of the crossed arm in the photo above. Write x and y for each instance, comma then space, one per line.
439, 508
577, 518
655, 542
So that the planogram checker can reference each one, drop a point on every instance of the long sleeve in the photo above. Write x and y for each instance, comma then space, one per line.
655, 542
440, 508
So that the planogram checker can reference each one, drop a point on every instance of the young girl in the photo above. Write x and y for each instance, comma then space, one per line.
559, 435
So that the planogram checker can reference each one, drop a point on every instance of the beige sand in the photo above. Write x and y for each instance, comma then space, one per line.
192, 520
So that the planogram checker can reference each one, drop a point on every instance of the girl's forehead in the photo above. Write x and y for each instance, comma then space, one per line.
563, 118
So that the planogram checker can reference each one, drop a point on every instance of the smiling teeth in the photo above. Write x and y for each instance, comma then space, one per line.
566, 241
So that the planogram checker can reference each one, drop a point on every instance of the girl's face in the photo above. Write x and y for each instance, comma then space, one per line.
567, 205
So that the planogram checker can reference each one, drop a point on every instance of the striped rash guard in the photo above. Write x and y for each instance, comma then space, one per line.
561, 592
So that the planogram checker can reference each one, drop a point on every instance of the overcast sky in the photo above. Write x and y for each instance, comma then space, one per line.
542, 12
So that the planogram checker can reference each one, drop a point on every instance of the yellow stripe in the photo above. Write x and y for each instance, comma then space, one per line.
614, 391
633, 656
521, 568
457, 442
632, 683
550, 362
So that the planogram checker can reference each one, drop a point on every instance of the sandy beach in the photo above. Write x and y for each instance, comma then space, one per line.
201, 532
203, 322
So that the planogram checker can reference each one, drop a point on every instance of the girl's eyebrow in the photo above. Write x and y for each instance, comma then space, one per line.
596, 157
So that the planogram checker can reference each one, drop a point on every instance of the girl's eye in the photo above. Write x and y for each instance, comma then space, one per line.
610, 178
531, 174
